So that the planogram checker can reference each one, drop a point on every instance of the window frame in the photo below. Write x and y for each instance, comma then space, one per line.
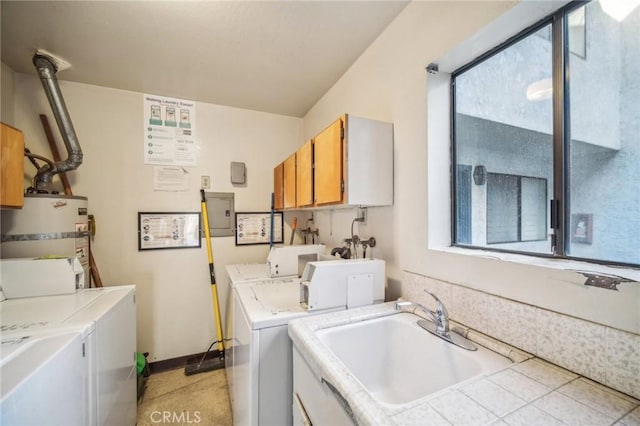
559, 208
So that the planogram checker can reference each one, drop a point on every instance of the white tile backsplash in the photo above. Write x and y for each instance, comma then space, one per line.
470, 307
413, 287
604, 354
514, 323
572, 343
623, 361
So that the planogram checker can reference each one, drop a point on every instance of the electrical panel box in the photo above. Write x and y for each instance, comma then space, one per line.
221, 212
238, 173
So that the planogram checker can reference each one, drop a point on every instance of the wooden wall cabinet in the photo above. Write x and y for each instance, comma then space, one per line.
12, 170
350, 163
329, 166
290, 181
354, 163
304, 175
278, 187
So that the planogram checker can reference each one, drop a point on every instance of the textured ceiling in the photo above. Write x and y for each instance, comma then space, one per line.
273, 56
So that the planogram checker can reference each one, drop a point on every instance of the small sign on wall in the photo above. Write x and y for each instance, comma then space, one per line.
255, 228
168, 230
170, 179
169, 131
582, 228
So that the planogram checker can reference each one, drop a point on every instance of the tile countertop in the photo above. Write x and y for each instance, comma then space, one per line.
529, 392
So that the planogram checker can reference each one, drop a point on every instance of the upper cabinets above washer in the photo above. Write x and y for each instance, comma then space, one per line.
349, 163
304, 175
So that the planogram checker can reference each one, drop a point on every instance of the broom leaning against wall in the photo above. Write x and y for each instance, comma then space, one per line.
214, 363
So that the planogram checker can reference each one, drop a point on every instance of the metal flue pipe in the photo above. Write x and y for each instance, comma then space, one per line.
47, 69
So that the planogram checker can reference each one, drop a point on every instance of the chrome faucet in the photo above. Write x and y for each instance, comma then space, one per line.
439, 325
440, 316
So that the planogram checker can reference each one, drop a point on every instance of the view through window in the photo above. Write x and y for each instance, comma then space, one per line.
521, 149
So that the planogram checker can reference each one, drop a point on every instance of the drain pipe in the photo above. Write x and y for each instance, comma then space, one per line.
47, 69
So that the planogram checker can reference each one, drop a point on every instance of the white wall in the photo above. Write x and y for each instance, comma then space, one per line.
175, 314
388, 82
6, 88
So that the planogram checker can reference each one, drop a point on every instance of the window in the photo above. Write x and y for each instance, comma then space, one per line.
577, 34
516, 208
546, 139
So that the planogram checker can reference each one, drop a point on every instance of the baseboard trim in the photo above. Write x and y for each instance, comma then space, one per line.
179, 362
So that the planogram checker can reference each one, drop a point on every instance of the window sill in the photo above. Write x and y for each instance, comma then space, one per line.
627, 273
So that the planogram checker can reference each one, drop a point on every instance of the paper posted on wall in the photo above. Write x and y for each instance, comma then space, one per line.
169, 131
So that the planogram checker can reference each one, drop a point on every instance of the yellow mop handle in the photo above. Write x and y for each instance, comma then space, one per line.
214, 290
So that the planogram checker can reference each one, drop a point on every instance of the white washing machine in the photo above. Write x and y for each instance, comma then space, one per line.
44, 380
105, 320
239, 276
261, 366
282, 262
247, 272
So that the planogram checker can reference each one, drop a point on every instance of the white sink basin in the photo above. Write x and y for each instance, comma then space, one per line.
398, 362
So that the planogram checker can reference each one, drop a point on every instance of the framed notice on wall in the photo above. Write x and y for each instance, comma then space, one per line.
168, 230
255, 228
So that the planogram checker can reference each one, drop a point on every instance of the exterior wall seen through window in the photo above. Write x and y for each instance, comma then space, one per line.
503, 124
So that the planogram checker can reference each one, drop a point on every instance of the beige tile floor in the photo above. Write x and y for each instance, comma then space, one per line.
171, 398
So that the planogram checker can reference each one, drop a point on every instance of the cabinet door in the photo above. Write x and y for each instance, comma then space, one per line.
12, 171
278, 187
313, 397
290, 181
329, 171
304, 175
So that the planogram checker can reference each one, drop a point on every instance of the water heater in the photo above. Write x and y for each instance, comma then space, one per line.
48, 225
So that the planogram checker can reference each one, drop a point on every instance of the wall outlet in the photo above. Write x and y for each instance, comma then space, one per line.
362, 214
205, 182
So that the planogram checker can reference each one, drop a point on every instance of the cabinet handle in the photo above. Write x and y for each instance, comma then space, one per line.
343, 402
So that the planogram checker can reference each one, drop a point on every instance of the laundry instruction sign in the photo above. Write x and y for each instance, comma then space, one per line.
169, 131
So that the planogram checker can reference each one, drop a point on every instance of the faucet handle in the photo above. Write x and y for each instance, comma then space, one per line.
432, 295
441, 314
439, 305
